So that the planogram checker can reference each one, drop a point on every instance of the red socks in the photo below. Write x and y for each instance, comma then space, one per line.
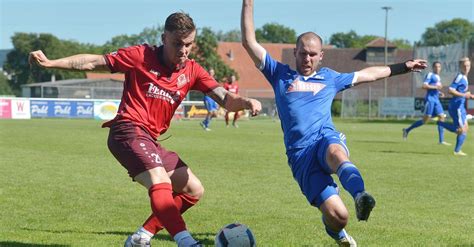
164, 208
182, 202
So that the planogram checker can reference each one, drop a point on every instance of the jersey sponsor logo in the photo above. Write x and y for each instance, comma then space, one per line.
156, 92
182, 80
156, 73
232, 89
301, 86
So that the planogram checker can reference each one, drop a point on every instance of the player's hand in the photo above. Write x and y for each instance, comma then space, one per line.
468, 95
441, 94
416, 65
254, 106
38, 57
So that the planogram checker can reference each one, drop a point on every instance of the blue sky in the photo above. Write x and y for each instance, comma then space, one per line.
97, 21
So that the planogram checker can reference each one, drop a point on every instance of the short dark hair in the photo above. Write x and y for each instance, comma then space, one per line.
311, 34
180, 22
435, 62
463, 60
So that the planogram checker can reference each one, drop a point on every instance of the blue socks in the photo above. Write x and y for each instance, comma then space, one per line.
441, 133
350, 178
459, 141
184, 238
415, 125
333, 234
207, 121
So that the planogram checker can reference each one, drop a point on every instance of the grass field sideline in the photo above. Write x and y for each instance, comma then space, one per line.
60, 186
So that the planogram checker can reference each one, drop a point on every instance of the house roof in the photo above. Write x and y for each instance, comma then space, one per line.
380, 42
234, 55
114, 76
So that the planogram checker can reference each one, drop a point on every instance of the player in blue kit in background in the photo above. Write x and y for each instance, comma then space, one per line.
457, 109
314, 148
433, 107
211, 107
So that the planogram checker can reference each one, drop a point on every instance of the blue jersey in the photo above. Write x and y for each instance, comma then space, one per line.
304, 102
432, 79
459, 84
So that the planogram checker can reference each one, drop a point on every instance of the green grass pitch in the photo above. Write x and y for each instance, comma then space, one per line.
60, 186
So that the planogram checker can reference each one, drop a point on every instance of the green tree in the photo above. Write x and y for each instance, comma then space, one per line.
344, 40
448, 32
362, 41
205, 53
352, 40
23, 43
402, 43
229, 36
5, 88
150, 36
275, 33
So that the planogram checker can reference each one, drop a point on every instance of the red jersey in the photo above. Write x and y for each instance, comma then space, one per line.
233, 88
151, 91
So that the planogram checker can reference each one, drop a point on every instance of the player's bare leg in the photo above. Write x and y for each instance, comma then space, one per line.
335, 218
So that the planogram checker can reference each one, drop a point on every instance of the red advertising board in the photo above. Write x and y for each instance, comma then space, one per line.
5, 108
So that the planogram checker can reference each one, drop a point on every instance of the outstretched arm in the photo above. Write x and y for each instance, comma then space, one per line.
374, 73
233, 102
77, 62
254, 49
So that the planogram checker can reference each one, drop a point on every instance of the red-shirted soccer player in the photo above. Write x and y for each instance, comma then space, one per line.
157, 79
232, 87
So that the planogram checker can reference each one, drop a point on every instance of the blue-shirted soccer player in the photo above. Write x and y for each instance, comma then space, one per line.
457, 109
315, 149
433, 107
211, 107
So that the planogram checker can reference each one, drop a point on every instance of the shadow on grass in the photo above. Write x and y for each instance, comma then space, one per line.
408, 152
205, 238
19, 244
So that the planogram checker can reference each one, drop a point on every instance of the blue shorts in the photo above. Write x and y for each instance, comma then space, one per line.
311, 170
433, 108
210, 104
459, 116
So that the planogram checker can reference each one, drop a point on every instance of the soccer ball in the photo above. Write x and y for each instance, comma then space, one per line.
235, 235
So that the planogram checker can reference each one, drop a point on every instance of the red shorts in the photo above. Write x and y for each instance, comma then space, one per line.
137, 151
